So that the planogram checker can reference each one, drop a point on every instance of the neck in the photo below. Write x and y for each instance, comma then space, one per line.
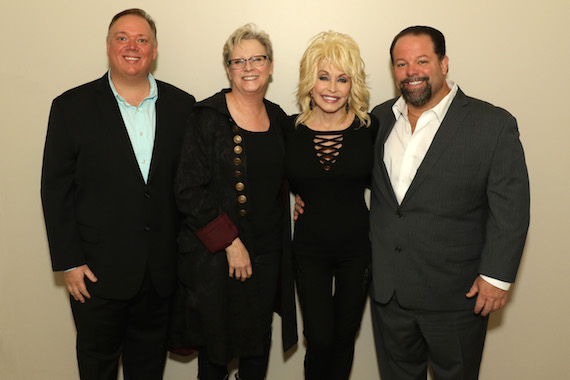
324, 121
246, 101
131, 88
414, 112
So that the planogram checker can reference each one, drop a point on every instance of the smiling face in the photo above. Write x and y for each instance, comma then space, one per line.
249, 79
418, 72
331, 90
131, 48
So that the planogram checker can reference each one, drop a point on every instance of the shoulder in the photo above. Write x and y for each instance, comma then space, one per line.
173, 92
481, 109
84, 91
383, 109
274, 110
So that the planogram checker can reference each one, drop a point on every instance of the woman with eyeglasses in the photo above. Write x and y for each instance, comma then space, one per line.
230, 190
329, 155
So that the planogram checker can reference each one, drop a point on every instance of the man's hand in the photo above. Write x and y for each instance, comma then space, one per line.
75, 282
489, 298
299, 207
238, 260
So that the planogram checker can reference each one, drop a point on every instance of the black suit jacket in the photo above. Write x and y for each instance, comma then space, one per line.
466, 212
98, 209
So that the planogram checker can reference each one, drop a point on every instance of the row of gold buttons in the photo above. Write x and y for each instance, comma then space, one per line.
240, 186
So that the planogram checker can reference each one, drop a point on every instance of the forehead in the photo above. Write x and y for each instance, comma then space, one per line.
131, 24
327, 66
413, 45
251, 46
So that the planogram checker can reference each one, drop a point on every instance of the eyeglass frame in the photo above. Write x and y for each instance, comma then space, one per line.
242, 61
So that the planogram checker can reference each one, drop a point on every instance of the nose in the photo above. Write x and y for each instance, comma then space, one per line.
332, 86
132, 44
411, 70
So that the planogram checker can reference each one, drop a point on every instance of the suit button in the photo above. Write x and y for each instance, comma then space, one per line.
399, 214
398, 249
147, 228
242, 199
240, 186
147, 195
238, 149
242, 212
237, 161
237, 139
238, 173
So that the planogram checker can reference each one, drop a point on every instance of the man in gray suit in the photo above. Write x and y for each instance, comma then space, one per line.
449, 216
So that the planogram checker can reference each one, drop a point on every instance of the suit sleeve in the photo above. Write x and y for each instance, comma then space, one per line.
194, 189
509, 202
58, 192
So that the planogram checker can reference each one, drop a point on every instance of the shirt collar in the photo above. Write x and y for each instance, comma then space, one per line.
152, 95
400, 108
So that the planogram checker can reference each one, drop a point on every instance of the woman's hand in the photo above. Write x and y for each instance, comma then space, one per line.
238, 260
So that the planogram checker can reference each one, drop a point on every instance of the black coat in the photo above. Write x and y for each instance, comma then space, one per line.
212, 309
98, 209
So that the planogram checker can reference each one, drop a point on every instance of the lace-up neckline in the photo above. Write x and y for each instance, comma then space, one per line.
327, 148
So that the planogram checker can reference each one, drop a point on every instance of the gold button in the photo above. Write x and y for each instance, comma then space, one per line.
242, 199
235, 129
237, 149
240, 186
238, 139
237, 173
237, 161
242, 212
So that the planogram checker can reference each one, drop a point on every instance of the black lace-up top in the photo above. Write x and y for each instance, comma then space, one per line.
331, 170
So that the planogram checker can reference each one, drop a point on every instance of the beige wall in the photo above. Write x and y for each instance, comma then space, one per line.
512, 53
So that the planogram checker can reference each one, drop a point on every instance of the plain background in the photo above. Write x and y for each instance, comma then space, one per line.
512, 53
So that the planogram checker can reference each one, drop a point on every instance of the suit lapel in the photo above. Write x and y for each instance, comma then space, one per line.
453, 119
385, 185
159, 133
113, 122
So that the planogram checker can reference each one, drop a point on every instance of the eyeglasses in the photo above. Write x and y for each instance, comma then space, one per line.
255, 61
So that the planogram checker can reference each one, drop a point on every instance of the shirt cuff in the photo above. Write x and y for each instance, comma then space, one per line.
497, 283
218, 234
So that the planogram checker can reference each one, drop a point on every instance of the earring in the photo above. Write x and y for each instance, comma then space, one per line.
311, 103
347, 106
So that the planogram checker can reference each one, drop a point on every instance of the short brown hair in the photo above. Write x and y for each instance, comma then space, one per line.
135, 12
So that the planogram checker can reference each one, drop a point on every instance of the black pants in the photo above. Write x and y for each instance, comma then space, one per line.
331, 318
406, 340
134, 329
266, 267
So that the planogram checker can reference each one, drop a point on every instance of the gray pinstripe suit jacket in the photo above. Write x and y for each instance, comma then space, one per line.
466, 212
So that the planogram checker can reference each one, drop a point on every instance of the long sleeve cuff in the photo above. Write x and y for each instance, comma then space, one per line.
497, 283
218, 234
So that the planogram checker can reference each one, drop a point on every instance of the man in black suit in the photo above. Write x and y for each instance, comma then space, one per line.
110, 158
449, 216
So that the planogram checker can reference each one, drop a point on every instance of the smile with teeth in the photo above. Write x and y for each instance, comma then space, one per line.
250, 77
330, 98
132, 58
414, 81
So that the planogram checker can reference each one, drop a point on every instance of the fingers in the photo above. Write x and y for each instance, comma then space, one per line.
299, 207
75, 282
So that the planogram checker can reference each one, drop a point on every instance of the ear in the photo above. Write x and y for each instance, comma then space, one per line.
271, 68
108, 45
444, 65
155, 51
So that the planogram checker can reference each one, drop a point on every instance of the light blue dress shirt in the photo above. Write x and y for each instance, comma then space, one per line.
140, 122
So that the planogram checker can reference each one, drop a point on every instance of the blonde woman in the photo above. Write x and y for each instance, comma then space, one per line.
329, 152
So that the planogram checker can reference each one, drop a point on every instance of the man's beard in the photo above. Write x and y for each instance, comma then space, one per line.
416, 98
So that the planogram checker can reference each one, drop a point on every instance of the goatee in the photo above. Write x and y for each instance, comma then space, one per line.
418, 97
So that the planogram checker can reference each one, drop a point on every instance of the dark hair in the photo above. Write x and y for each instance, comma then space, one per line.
436, 36
135, 12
